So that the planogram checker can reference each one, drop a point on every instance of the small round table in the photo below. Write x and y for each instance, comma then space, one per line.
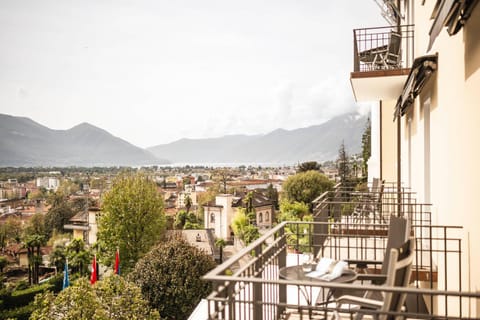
296, 273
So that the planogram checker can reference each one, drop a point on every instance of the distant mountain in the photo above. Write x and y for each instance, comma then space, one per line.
319, 143
24, 142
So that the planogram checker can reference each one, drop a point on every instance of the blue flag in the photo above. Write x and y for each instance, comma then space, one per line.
66, 282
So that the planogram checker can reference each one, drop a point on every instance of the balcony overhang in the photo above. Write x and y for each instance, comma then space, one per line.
378, 84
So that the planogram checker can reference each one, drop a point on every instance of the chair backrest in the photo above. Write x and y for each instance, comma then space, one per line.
398, 275
320, 231
398, 232
394, 46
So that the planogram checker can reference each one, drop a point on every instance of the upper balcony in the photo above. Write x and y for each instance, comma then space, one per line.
382, 57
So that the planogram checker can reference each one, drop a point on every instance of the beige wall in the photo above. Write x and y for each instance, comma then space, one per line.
453, 97
388, 142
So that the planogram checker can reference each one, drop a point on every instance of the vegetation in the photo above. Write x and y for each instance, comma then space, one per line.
133, 220
10, 231
308, 166
306, 186
242, 228
170, 278
185, 220
298, 236
59, 213
366, 147
111, 298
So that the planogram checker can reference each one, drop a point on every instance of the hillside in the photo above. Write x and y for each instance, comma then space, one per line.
320, 143
26, 143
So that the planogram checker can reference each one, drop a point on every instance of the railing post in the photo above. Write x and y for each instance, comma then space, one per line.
356, 62
282, 262
257, 294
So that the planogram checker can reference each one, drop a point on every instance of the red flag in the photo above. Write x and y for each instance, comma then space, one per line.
117, 262
93, 276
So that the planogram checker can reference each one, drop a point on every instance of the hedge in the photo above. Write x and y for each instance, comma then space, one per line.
21, 298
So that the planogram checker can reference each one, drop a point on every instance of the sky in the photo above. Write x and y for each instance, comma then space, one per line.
155, 71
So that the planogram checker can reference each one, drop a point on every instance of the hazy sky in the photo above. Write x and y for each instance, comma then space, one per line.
154, 71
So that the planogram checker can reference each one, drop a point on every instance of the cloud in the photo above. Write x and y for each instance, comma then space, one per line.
284, 96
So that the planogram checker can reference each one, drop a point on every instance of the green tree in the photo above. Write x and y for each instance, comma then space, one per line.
180, 219
343, 165
188, 203
292, 211
59, 213
133, 220
308, 166
242, 228
306, 186
10, 231
170, 277
366, 147
220, 243
272, 194
3, 263
296, 211
111, 298
79, 257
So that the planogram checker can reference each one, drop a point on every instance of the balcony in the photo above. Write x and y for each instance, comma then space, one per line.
258, 289
382, 57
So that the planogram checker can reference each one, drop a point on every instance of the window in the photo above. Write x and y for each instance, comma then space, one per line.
260, 217
266, 216
212, 217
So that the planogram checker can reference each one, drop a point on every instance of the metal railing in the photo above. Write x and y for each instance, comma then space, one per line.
383, 48
256, 290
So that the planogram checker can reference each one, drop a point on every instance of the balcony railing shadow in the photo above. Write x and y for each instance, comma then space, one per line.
257, 289
382, 48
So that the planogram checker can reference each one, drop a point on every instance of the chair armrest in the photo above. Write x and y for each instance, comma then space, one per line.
364, 302
374, 278
362, 263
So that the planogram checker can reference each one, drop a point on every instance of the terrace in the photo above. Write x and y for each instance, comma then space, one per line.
344, 228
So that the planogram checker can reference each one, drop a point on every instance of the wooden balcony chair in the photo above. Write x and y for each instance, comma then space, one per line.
391, 57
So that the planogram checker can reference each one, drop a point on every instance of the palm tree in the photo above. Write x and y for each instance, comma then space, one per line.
220, 243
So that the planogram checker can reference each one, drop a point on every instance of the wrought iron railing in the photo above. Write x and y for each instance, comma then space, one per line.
383, 48
256, 289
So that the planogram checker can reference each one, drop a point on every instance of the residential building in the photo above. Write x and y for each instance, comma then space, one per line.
218, 214
423, 72
426, 117
84, 225
48, 183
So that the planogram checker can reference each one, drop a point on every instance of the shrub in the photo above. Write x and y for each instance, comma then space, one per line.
170, 278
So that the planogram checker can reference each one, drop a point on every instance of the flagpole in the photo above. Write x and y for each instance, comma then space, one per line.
66, 281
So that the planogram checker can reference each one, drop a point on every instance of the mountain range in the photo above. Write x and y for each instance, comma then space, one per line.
24, 142
319, 143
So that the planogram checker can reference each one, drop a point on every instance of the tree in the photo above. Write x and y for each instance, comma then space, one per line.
221, 176
10, 231
306, 186
111, 298
34, 237
221, 243
59, 213
272, 194
242, 228
308, 166
133, 220
188, 203
366, 147
170, 277
343, 165
79, 256
292, 211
